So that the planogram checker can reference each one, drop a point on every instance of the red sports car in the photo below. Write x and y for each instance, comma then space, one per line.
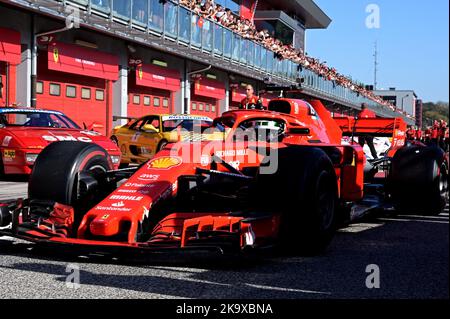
25, 132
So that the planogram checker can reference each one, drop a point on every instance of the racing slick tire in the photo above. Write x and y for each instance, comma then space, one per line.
418, 180
56, 173
304, 191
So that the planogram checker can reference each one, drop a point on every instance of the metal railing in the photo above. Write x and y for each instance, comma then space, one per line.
174, 23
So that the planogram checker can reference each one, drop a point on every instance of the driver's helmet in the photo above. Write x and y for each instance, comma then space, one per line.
268, 130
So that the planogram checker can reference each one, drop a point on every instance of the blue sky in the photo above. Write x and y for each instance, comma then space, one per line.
413, 44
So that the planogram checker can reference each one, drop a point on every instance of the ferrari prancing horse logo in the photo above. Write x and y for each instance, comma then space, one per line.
55, 55
140, 73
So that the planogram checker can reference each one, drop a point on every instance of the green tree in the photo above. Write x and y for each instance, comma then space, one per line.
435, 111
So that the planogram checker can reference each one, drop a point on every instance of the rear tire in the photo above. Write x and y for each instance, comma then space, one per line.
304, 190
418, 181
56, 172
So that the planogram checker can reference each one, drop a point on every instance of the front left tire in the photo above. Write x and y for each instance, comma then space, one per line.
73, 174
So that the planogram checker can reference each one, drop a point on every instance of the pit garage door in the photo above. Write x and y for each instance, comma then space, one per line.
78, 82
206, 96
82, 99
151, 90
10, 51
144, 101
204, 106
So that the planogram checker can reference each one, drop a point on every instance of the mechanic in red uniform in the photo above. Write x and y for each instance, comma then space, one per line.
442, 130
363, 139
410, 133
419, 134
435, 133
251, 101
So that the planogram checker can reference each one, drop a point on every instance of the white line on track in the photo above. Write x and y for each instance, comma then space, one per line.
288, 289
358, 228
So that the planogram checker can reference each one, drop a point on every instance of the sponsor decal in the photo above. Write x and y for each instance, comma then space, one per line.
124, 197
147, 178
9, 154
86, 62
155, 177
165, 162
55, 55
186, 117
109, 208
205, 160
159, 77
6, 140
90, 133
140, 73
143, 191
119, 204
227, 153
399, 133
56, 138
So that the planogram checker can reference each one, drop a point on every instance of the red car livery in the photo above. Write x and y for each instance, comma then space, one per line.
25, 132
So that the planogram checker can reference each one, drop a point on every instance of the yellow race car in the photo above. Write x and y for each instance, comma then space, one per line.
140, 139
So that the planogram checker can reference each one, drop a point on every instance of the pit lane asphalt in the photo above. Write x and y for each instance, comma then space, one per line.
411, 252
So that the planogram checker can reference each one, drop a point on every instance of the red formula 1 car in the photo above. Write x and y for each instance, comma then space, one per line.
25, 132
279, 177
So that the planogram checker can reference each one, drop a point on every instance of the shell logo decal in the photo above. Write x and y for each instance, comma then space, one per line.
140, 73
55, 55
165, 162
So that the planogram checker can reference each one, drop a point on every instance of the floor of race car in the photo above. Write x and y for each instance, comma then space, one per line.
411, 253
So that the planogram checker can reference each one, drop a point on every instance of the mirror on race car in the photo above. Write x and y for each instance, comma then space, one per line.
149, 128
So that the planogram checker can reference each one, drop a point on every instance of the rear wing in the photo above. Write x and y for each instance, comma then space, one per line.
128, 118
394, 128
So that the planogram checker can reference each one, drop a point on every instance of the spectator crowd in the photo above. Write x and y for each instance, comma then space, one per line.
246, 28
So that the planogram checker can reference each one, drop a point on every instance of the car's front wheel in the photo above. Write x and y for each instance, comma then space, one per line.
71, 173
304, 191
